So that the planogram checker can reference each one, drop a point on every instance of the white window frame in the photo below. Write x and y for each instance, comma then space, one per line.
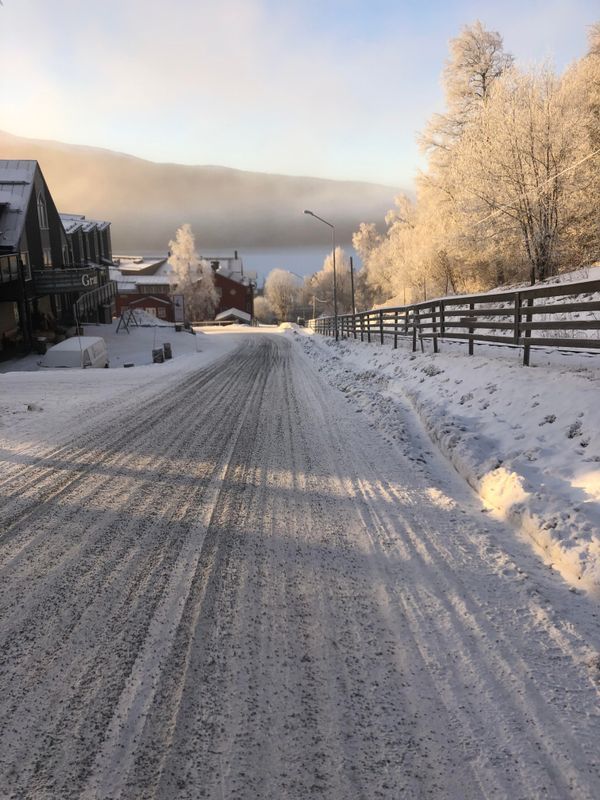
42, 211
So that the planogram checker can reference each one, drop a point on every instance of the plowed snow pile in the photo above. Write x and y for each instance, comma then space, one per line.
526, 439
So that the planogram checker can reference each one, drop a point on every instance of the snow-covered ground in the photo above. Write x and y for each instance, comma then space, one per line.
46, 403
528, 440
219, 579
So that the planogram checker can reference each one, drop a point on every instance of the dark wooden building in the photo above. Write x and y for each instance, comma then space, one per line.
40, 277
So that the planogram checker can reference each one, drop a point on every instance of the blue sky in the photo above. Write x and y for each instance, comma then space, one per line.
325, 88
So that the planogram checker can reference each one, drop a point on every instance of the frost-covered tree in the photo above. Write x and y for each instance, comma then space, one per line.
320, 284
477, 59
594, 39
263, 311
511, 185
517, 168
366, 240
282, 291
192, 277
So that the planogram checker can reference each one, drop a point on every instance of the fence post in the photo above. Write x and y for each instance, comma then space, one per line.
471, 330
415, 322
369, 327
395, 330
442, 319
527, 334
517, 320
381, 327
362, 327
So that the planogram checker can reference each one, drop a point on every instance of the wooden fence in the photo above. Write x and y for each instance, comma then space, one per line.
548, 315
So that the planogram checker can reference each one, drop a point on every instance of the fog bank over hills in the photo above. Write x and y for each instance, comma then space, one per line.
227, 208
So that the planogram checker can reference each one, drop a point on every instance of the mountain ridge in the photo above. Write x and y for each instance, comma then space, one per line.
227, 207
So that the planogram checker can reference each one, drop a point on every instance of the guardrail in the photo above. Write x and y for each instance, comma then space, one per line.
511, 318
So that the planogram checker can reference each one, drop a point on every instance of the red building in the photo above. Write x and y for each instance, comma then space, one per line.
233, 294
145, 284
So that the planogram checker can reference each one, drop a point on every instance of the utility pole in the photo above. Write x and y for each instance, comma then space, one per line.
352, 285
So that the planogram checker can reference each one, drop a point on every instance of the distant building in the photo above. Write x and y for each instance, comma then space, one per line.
143, 284
44, 269
146, 283
234, 294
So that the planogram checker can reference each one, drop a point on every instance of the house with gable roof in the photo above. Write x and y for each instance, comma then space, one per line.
43, 268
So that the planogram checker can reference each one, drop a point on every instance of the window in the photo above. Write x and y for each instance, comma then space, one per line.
47, 257
162, 312
42, 213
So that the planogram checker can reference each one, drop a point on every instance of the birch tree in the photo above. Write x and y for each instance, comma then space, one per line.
321, 284
282, 292
263, 311
192, 277
516, 166
477, 59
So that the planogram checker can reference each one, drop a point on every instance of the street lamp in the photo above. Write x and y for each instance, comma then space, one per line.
335, 310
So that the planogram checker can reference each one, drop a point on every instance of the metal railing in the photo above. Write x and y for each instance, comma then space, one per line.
558, 318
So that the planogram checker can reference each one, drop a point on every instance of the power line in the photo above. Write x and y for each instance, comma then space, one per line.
539, 188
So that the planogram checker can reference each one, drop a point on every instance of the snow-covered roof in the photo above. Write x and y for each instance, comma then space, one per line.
145, 280
148, 265
16, 184
71, 222
77, 343
234, 313
153, 297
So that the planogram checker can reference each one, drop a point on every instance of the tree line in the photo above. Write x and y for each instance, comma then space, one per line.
510, 192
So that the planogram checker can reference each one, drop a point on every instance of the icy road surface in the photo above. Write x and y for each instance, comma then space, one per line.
238, 590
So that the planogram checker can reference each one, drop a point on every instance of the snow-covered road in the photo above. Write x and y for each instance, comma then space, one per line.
236, 589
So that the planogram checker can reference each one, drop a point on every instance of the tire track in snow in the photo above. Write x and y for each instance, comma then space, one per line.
297, 619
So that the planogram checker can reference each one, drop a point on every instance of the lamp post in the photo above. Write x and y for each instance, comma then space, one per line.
335, 312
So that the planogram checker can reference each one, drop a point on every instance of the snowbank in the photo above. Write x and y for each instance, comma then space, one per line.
50, 404
527, 440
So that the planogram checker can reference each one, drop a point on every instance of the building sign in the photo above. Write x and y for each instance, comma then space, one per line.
60, 281
178, 307
89, 280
